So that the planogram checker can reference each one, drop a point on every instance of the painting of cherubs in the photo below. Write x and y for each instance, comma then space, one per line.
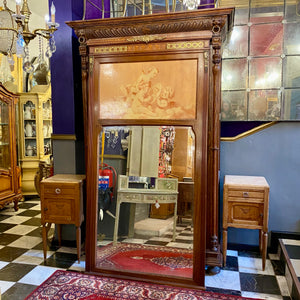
150, 90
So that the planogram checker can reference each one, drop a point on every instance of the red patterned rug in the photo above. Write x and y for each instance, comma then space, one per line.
77, 286
146, 258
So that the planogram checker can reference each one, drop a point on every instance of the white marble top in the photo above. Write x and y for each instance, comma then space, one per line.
245, 180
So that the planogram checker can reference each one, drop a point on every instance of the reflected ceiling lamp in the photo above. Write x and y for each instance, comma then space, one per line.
15, 35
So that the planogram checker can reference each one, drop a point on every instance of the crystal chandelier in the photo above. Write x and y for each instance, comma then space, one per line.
15, 35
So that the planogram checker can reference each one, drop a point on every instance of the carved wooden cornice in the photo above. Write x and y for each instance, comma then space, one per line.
186, 21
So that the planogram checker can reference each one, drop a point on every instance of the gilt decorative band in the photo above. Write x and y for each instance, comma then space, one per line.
111, 49
145, 38
185, 45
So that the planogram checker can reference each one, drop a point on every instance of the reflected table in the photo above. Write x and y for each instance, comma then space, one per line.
165, 191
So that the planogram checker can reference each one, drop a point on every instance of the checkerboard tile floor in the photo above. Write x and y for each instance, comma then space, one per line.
22, 267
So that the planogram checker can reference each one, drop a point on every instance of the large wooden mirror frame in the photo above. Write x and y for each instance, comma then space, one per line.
185, 36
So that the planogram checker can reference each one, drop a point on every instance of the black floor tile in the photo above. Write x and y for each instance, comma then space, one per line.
11, 253
60, 260
249, 254
183, 241
258, 283
4, 217
27, 205
14, 272
7, 238
293, 251
224, 291
29, 213
6, 226
50, 247
231, 264
36, 232
156, 243
279, 267
33, 222
18, 291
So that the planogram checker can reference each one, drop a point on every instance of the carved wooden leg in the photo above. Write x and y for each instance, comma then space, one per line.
224, 246
78, 242
16, 201
264, 249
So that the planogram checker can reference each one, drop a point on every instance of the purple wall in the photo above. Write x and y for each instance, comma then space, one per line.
62, 78
93, 13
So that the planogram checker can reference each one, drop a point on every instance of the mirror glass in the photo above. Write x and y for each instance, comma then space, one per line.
145, 200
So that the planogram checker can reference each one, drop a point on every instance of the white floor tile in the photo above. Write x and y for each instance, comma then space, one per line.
26, 242
12, 212
160, 239
291, 242
16, 220
67, 250
21, 229
261, 296
274, 256
3, 264
224, 280
254, 265
283, 285
38, 275
5, 285
296, 266
134, 241
78, 266
34, 257
232, 253
180, 245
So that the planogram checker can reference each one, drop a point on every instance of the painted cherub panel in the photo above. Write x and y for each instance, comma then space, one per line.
148, 90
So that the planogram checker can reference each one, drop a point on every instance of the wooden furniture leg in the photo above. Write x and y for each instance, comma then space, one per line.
264, 249
224, 246
78, 242
59, 234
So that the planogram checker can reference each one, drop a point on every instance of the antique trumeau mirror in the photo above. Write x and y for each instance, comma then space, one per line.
151, 92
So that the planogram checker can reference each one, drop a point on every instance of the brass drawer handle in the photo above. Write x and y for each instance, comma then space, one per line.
57, 190
245, 194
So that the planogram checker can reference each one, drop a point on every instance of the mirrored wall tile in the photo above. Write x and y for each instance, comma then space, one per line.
291, 104
262, 13
291, 38
292, 10
234, 74
291, 72
224, 280
266, 39
254, 265
234, 106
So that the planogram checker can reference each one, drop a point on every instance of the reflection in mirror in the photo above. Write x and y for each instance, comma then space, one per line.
145, 200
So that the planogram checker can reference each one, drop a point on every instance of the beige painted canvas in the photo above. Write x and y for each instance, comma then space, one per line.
148, 90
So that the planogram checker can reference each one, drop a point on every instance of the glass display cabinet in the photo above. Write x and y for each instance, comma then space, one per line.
153, 71
10, 190
35, 111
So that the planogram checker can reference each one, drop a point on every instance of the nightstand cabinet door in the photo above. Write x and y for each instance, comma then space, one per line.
245, 214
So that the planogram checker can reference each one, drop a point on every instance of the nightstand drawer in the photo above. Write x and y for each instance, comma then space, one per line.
243, 213
245, 193
60, 211
54, 190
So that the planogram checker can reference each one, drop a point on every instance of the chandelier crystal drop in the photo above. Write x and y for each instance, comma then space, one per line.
15, 35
